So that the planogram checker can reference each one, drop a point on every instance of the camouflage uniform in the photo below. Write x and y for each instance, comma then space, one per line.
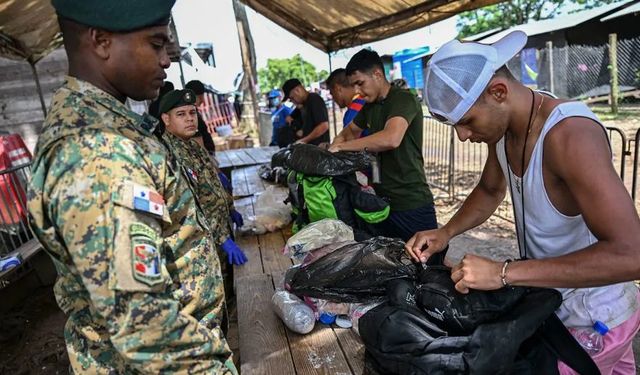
214, 199
136, 274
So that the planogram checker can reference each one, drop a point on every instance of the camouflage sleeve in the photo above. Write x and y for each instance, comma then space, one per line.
118, 252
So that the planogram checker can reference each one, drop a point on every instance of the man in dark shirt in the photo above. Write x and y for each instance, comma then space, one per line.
203, 137
395, 122
315, 118
154, 107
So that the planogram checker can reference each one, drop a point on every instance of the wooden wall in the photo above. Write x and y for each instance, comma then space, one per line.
20, 109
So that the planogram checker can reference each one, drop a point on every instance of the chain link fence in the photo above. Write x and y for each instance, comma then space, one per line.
577, 71
455, 167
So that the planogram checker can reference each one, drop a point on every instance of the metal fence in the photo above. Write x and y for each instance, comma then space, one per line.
455, 167
579, 71
14, 228
636, 155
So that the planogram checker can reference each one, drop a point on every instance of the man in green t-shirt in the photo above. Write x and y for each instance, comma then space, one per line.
395, 122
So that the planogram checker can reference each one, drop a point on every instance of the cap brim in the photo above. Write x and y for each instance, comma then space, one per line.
509, 46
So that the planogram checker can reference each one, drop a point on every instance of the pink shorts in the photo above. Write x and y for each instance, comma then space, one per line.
617, 356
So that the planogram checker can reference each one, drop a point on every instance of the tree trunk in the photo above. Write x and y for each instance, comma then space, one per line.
249, 119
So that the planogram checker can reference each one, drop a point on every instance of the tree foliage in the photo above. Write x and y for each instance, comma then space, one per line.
279, 70
510, 13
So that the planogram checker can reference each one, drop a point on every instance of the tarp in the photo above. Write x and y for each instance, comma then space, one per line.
331, 25
28, 29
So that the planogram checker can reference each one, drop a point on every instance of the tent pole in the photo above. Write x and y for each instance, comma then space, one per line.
333, 102
35, 75
174, 33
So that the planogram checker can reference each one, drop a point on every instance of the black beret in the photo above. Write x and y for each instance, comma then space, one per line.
176, 98
196, 86
116, 15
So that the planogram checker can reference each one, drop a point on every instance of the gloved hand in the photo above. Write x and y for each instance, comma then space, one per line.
226, 184
234, 253
236, 218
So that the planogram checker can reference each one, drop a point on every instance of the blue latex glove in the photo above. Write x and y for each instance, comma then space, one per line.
226, 184
234, 253
236, 218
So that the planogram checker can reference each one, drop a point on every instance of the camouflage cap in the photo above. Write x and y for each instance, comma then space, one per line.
177, 98
116, 15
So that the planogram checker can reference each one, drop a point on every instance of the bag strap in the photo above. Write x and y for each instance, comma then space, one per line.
560, 341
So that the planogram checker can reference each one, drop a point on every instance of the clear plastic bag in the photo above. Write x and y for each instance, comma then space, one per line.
317, 235
271, 212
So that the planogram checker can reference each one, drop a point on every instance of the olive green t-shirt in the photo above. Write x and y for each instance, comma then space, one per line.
401, 170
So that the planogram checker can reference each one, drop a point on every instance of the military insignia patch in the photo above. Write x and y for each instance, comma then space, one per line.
145, 257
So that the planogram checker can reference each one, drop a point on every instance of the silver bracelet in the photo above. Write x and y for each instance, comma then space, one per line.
503, 274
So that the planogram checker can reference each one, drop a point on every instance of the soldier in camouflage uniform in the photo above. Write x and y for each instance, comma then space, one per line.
137, 274
178, 113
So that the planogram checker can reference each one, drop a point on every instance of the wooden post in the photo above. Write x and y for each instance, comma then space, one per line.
174, 35
250, 115
613, 71
550, 54
333, 103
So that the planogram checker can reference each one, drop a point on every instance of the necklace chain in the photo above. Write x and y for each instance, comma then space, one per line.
519, 182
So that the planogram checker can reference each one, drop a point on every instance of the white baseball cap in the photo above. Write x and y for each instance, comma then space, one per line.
458, 73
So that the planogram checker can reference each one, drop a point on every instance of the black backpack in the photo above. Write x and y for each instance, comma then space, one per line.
511, 331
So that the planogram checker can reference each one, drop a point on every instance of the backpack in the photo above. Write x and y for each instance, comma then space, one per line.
510, 331
323, 185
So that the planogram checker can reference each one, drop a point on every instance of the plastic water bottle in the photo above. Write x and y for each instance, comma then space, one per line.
295, 314
592, 339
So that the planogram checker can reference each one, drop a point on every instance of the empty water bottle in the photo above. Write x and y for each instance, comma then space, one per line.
592, 339
295, 314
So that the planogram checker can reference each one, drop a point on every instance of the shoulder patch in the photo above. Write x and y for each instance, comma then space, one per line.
145, 256
147, 200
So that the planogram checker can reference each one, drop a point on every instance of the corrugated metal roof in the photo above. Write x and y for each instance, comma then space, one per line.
635, 8
331, 25
561, 22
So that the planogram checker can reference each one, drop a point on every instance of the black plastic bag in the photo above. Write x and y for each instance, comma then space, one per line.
280, 158
277, 174
315, 161
356, 272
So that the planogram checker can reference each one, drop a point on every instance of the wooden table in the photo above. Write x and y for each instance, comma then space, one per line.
243, 157
266, 345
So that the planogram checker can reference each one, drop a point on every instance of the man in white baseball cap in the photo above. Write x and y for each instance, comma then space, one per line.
577, 228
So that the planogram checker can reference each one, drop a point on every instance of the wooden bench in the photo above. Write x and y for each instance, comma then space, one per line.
266, 345
242, 157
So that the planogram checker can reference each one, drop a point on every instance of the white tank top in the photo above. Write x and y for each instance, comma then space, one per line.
551, 233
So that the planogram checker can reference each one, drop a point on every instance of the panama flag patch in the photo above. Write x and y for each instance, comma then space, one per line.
147, 200
192, 174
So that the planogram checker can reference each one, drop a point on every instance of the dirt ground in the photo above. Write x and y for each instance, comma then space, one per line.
31, 337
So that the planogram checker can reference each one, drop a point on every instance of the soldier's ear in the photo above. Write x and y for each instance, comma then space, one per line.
101, 42
165, 118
